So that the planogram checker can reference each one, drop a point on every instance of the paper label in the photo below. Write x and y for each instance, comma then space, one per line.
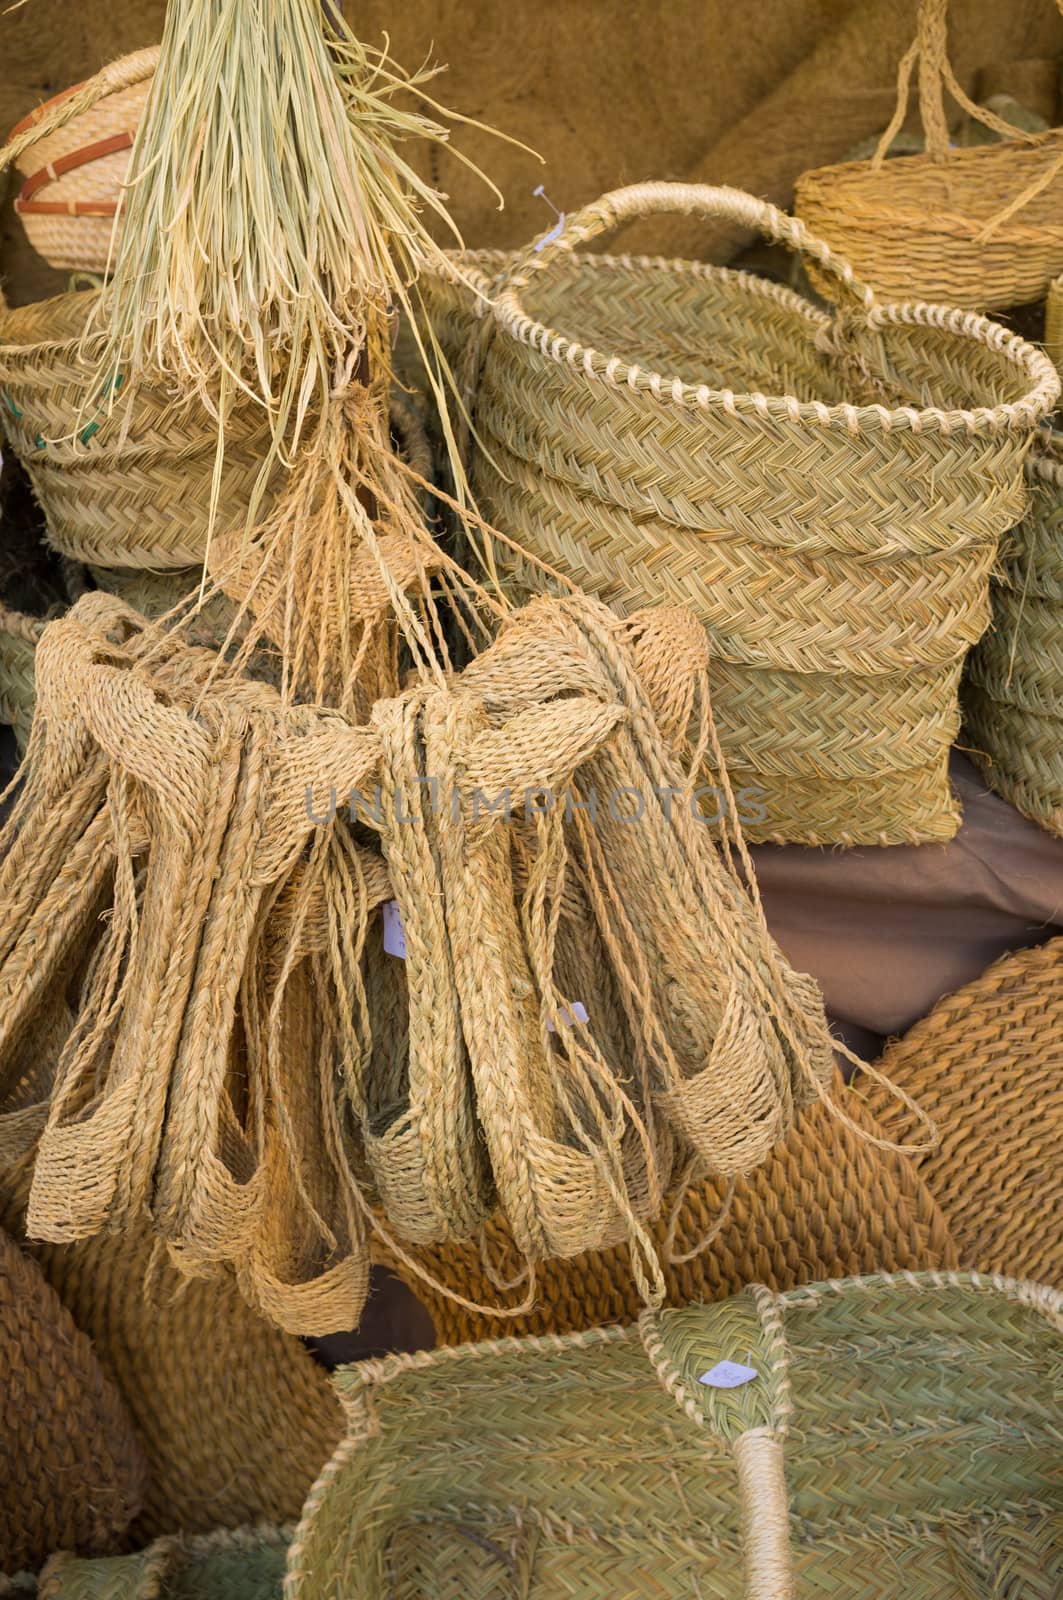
394, 937
728, 1375
570, 1015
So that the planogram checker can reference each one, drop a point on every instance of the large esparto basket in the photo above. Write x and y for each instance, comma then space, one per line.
827, 1204
121, 487
899, 1437
828, 494
71, 1469
978, 226
244, 1564
1013, 696
74, 155
987, 1065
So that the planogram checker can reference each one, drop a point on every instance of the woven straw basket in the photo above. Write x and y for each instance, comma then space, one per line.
987, 1065
118, 488
827, 1204
74, 154
1013, 698
72, 1471
18, 644
900, 1436
246, 1564
979, 227
828, 495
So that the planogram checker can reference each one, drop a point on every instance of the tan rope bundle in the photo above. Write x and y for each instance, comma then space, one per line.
18, 643
73, 1471
977, 227
678, 434
73, 155
1054, 321
880, 1436
1013, 696
222, 1070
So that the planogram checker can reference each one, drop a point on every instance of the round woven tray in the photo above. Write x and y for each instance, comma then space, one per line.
128, 487
72, 1469
235, 1418
827, 1204
987, 1065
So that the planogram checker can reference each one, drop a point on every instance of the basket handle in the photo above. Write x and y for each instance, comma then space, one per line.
55, 114
697, 199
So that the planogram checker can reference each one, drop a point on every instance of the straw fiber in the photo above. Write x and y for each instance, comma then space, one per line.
74, 154
977, 226
899, 1436
987, 1065
246, 1564
1013, 701
71, 1469
826, 1204
827, 494
1054, 321
120, 485
18, 642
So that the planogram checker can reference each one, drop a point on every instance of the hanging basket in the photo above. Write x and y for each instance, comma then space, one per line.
120, 485
979, 227
1013, 699
828, 494
74, 154
880, 1437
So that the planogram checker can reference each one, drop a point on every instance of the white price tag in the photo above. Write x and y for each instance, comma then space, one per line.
728, 1375
570, 1015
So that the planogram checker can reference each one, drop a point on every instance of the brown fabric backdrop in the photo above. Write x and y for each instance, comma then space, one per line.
608, 91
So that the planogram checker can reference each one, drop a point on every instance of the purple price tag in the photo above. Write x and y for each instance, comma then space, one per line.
394, 938
728, 1375
570, 1015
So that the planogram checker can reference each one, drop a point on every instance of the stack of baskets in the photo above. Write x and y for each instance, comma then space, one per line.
828, 493
1014, 693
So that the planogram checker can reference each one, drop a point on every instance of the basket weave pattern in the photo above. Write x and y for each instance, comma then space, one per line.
121, 487
73, 1473
900, 1437
1013, 701
834, 525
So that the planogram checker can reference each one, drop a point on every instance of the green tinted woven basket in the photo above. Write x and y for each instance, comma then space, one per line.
245, 1564
827, 493
1013, 697
901, 1437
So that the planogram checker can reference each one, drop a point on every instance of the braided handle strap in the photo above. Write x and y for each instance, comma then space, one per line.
690, 199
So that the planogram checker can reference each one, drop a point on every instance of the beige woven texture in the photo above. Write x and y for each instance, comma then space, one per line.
1013, 698
18, 643
246, 1564
976, 227
120, 485
900, 1437
239, 960
72, 1469
827, 494
987, 1065
106, 106
828, 1203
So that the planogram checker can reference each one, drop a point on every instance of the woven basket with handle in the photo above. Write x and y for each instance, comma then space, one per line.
73, 157
1013, 697
979, 226
867, 1438
828, 494
119, 486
